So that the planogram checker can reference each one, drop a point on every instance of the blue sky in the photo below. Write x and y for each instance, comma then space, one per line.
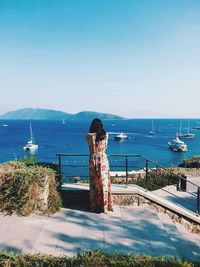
135, 58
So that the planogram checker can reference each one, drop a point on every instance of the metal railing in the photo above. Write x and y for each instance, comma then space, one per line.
76, 168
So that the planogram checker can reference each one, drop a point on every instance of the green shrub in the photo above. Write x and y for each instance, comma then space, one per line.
21, 188
193, 162
92, 259
29, 160
158, 179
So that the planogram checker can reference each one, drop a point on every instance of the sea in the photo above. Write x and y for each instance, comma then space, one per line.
55, 137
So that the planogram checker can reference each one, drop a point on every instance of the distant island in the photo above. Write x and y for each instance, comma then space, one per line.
48, 114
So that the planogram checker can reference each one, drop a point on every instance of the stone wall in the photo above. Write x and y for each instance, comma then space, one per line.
43, 194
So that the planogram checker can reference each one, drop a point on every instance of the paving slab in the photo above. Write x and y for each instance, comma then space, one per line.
93, 232
134, 231
115, 240
157, 234
17, 233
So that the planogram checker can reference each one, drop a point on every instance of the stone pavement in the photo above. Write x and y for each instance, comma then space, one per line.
126, 229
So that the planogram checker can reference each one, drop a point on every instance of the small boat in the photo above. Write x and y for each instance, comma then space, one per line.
186, 135
177, 145
152, 131
31, 146
5, 125
63, 121
120, 137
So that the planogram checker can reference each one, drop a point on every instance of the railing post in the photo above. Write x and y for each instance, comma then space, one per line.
147, 173
198, 200
59, 170
126, 171
156, 168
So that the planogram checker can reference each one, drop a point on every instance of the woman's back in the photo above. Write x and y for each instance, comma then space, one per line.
100, 189
97, 147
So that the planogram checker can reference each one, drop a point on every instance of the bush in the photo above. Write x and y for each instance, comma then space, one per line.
193, 162
157, 180
29, 160
22, 187
92, 259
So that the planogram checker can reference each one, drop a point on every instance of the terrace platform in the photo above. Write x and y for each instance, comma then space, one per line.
134, 229
126, 229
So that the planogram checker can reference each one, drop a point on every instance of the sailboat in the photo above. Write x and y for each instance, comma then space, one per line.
188, 134
152, 132
31, 146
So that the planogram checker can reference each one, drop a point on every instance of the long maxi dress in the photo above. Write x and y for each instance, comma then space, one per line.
100, 188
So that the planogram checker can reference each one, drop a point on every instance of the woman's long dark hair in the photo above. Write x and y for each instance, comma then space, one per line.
97, 127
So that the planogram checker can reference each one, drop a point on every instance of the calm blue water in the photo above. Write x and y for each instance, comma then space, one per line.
55, 137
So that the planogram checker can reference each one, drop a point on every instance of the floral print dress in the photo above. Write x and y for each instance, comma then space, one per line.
100, 188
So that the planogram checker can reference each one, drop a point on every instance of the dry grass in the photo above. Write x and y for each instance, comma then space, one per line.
21, 188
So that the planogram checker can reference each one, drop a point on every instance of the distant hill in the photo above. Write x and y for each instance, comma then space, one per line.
34, 114
48, 114
88, 115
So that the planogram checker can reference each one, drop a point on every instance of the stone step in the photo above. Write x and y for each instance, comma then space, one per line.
192, 239
185, 248
144, 225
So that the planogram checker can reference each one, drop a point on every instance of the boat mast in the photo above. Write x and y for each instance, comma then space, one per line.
31, 133
152, 126
188, 127
180, 128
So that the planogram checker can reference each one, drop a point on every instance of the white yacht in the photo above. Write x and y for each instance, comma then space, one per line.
120, 137
177, 145
31, 146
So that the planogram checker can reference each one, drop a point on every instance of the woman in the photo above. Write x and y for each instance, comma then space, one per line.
100, 189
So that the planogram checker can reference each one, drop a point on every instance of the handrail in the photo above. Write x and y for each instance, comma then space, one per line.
126, 156
132, 155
